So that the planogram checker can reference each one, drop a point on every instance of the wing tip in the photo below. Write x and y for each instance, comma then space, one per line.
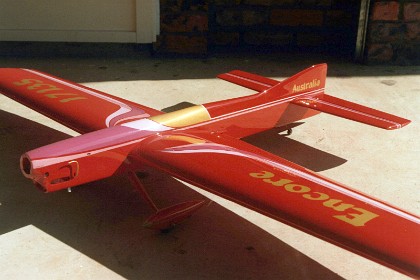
398, 125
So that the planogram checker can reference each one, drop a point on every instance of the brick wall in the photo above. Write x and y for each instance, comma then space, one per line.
199, 26
287, 25
394, 32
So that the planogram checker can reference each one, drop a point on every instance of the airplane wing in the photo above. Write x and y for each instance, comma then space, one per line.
289, 193
75, 106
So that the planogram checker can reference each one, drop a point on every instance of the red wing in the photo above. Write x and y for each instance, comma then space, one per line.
289, 193
80, 108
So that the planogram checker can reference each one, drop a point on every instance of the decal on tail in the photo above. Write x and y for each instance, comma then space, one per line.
310, 80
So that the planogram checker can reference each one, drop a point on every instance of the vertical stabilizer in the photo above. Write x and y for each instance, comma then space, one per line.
311, 79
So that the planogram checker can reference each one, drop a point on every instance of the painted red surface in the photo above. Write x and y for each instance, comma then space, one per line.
78, 107
209, 154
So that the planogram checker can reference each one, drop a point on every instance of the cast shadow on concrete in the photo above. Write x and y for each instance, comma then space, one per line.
276, 142
103, 220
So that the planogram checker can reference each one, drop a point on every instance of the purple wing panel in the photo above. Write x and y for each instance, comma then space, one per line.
78, 107
289, 193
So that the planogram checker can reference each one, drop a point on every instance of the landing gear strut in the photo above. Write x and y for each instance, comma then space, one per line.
166, 218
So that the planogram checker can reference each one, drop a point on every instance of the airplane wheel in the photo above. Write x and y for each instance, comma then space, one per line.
168, 229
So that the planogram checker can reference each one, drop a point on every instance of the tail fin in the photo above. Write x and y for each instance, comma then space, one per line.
305, 89
311, 79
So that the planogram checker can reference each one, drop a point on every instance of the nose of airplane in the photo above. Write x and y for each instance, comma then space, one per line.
25, 166
28, 171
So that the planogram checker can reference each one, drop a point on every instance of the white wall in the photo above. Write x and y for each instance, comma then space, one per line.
135, 21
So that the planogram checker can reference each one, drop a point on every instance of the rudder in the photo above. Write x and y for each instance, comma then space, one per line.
311, 79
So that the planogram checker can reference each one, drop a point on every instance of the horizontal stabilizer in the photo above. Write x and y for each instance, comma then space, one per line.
352, 111
248, 80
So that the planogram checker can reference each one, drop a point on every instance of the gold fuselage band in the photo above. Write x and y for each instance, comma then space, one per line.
183, 117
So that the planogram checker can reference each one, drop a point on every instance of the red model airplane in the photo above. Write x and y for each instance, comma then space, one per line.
201, 145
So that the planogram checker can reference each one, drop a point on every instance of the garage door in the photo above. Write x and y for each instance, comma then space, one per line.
134, 21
